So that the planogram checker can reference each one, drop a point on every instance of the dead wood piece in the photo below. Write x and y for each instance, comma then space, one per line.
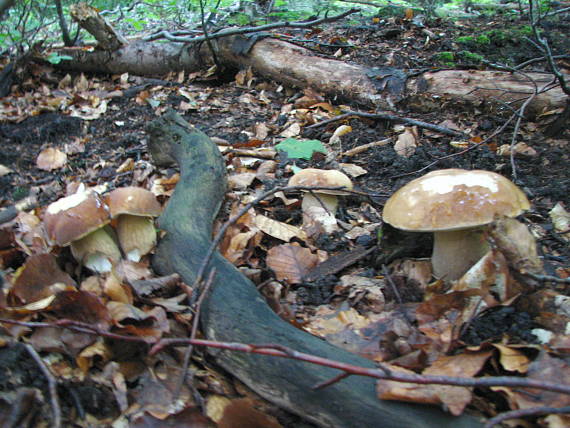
477, 88
89, 19
234, 310
337, 263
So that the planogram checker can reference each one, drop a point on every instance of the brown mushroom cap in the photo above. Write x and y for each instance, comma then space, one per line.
73, 217
322, 178
454, 199
133, 201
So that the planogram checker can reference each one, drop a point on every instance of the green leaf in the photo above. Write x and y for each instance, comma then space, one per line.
55, 58
300, 149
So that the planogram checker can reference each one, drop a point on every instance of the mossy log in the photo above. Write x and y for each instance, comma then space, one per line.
235, 312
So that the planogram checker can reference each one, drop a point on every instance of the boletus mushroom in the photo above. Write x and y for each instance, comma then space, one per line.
80, 220
455, 205
135, 209
321, 205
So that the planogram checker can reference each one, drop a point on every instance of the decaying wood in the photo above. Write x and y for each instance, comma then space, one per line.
88, 18
379, 87
477, 88
234, 310
296, 66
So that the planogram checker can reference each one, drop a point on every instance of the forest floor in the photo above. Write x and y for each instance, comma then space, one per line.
110, 150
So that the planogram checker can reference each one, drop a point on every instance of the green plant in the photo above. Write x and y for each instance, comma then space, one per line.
55, 58
446, 58
470, 57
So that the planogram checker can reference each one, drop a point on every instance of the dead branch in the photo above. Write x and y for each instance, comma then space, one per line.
247, 30
52, 385
280, 351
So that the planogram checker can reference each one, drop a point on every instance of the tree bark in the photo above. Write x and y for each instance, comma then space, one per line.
283, 62
234, 311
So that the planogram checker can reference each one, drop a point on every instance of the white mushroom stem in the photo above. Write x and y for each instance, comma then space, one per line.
137, 235
454, 252
328, 203
97, 251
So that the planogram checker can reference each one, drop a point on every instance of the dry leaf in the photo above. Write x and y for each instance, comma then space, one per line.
561, 220
546, 369
4, 170
453, 398
512, 359
352, 169
291, 262
241, 413
241, 181
34, 280
516, 243
407, 142
278, 230
50, 159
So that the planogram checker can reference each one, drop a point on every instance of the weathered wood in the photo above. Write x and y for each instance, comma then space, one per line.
235, 311
295, 66
88, 18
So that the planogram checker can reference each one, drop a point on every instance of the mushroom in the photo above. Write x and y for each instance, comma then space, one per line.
456, 205
321, 207
134, 208
80, 220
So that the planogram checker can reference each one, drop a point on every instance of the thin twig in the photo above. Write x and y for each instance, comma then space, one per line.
193, 331
533, 411
546, 278
218, 238
284, 352
245, 30
52, 385
390, 117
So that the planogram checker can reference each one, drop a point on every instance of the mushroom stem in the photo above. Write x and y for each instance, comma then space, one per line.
454, 252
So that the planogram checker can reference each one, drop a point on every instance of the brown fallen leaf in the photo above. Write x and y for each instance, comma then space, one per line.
452, 398
407, 142
291, 262
547, 369
50, 159
241, 413
512, 359
34, 280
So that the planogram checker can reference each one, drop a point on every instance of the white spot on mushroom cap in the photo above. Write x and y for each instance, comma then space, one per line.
68, 202
445, 183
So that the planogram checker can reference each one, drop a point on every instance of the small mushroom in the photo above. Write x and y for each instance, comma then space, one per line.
456, 205
135, 209
321, 206
80, 221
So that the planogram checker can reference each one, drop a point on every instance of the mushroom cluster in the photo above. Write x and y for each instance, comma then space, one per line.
456, 205
83, 220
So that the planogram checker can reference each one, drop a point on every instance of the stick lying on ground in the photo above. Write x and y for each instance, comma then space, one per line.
234, 311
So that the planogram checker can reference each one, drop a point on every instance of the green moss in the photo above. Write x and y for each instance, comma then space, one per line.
465, 39
483, 40
445, 58
470, 57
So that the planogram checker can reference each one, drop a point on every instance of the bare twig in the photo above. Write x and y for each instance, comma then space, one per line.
547, 278
366, 147
284, 352
533, 411
539, 59
218, 238
246, 30
52, 385
390, 117
195, 323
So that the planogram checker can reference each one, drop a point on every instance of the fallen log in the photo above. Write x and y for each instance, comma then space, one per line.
234, 311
